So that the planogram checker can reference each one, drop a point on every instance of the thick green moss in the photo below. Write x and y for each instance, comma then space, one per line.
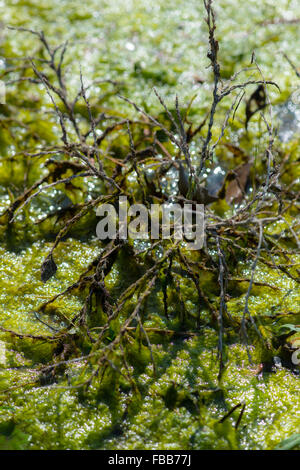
180, 407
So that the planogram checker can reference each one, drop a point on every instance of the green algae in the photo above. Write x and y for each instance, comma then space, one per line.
181, 406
